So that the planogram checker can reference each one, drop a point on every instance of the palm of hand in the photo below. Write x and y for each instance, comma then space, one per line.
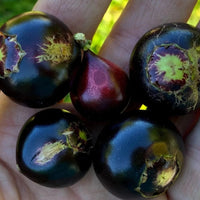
87, 14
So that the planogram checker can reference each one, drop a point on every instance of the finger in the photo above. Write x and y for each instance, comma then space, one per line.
138, 17
79, 15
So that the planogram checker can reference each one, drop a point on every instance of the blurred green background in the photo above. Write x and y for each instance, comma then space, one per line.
10, 8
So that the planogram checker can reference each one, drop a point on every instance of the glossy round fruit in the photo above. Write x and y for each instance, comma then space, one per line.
38, 59
101, 89
138, 155
54, 148
164, 68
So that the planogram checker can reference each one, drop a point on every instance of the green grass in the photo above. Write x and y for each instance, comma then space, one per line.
10, 8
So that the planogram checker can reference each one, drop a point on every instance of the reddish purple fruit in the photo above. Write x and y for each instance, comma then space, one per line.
101, 89
38, 58
164, 68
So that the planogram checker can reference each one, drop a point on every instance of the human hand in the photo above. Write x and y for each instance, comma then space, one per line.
84, 16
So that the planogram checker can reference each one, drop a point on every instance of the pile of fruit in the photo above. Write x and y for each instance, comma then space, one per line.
139, 153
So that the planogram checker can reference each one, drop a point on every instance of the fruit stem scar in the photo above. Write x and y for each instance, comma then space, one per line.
174, 71
11, 53
55, 50
169, 66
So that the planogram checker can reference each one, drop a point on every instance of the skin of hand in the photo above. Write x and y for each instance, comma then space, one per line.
84, 16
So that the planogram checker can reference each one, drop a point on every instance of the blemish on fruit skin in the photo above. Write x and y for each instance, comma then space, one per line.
46, 153
168, 67
179, 95
166, 171
162, 168
166, 176
173, 69
75, 140
55, 50
11, 53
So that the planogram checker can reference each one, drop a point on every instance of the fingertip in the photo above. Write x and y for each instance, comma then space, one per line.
80, 16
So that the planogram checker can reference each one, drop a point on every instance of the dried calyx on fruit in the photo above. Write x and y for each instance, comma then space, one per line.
164, 68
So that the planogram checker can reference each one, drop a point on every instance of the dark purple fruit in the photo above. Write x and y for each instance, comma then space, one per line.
101, 89
138, 155
164, 68
53, 148
38, 59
